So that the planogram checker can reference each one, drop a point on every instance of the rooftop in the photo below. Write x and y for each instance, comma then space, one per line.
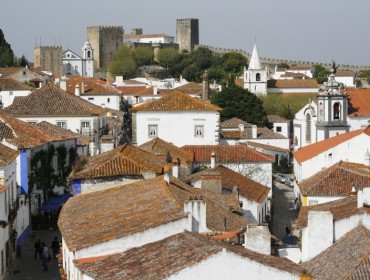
276, 119
91, 86
296, 83
7, 155
359, 101
10, 84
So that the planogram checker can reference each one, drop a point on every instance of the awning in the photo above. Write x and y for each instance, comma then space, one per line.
55, 203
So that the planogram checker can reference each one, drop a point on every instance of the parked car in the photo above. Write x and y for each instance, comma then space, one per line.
280, 177
289, 181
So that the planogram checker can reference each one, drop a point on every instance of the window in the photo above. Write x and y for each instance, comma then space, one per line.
308, 128
88, 54
90, 98
199, 131
76, 68
153, 130
313, 202
278, 129
69, 67
24, 73
336, 111
62, 124
85, 128
258, 77
108, 100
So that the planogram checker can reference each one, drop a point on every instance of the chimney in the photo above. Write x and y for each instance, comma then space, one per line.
241, 127
258, 239
197, 215
254, 131
119, 80
205, 93
82, 87
212, 181
175, 168
213, 160
366, 195
166, 171
77, 90
155, 90
367, 158
360, 198
63, 83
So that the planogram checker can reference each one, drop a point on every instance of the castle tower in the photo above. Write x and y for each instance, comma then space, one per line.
48, 58
104, 40
255, 78
332, 109
187, 33
87, 60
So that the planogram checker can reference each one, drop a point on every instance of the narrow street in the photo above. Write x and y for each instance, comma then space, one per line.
283, 212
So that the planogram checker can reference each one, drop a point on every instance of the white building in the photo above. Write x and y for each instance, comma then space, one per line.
10, 89
346, 77
83, 65
176, 118
280, 125
148, 38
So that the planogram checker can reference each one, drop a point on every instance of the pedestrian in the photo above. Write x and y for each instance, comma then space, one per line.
37, 247
45, 256
287, 230
55, 247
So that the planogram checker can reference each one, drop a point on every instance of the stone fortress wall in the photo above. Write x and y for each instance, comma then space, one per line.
48, 57
272, 62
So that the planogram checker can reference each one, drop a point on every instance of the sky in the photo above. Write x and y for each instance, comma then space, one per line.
311, 30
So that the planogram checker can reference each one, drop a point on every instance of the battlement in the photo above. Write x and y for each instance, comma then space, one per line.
49, 47
109, 27
186, 19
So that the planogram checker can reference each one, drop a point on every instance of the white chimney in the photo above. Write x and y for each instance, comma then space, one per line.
166, 171
213, 160
77, 90
175, 169
82, 87
197, 214
360, 198
366, 195
119, 80
254, 131
155, 90
63, 83
241, 127
367, 158
258, 239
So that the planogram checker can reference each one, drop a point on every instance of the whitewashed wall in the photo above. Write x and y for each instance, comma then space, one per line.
111, 101
7, 97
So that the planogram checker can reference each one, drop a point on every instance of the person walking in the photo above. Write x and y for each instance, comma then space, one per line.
45, 257
55, 247
37, 247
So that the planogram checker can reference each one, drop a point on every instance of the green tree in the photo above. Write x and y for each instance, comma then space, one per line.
123, 63
192, 73
202, 58
143, 55
168, 57
320, 74
234, 63
6, 52
283, 65
240, 103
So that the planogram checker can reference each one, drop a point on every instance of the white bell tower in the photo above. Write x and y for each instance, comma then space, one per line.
87, 60
255, 78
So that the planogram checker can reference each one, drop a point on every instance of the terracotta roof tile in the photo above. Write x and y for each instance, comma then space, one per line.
345, 73
234, 123
340, 208
248, 188
7, 71
310, 151
347, 258
9, 84
52, 101
167, 257
224, 154
246, 134
92, 86
94, 218
25, 135
123, 160
7, 155
276, 118
336, 180
359, 101
297, 83
294, 75
161, 148
191, 88
3, 188
266, 147
176, 101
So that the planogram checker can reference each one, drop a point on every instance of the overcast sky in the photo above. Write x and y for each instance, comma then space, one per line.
311, 30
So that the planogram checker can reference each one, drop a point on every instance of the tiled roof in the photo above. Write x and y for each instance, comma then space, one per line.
121, 161
24, 135
221, 209
9, 84
359, 102
39, 72
276, 119
234, 123
248, 188
336, 180
94, 218
92, 86
347, 258
310, 151
3, 188
169, 256
225, 154
191, 88
296, 83
82, 140
7, 155
52, 101
176, 101
294, 75
246, 134
161, 148
299, 68
345, 73
340, 208
266, 147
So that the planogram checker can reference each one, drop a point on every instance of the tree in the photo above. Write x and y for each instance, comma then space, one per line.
123, 63
192, 73
320, 74
202, 58
240, 103
283, 65
143, 55
168, 57
6, 53
234, 63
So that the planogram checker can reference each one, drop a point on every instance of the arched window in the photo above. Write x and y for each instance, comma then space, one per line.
308, 128
336, 111
246, 76
258, 77
88, 54
69, 67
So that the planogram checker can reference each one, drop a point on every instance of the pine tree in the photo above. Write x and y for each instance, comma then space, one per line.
6, 53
